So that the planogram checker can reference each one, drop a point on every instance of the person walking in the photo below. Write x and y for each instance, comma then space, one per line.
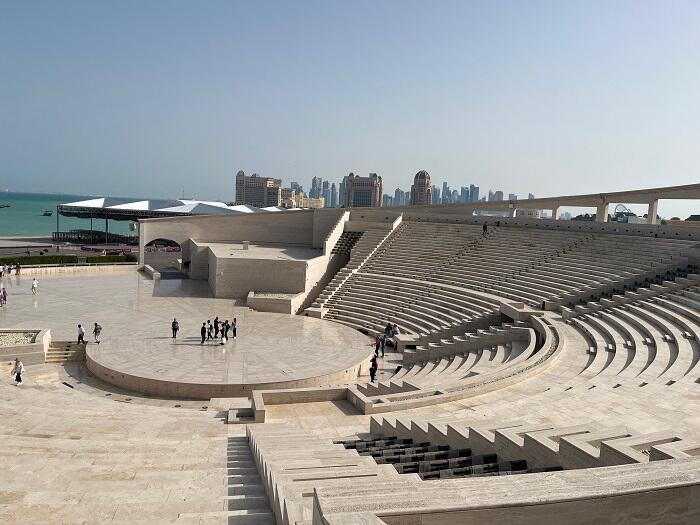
383, 344
18, 269
226, 328
35, 286
210, 331
216, 327
96, 332
377, 344
372, 373
2, 270
485, 229
3, 296
175, 326
203, 332
81, 334
17, 371
234, 327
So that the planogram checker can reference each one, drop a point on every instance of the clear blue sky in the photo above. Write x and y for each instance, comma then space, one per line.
156, 98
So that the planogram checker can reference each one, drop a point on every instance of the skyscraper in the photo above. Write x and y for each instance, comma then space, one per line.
363, 192
530, 196
464, 194
473, 193
512, 197
326, 193
399, 197
436, 195
334, 196
316, 188
445, 193
498, 195
387, 200
298, 188
421, 191
342, 191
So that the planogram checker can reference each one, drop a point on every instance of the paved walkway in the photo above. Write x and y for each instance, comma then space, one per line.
136, 313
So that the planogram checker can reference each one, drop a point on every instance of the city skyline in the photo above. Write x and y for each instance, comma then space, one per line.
168, 98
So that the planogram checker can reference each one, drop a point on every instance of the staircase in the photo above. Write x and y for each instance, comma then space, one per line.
247, 503
64, 351
368, 244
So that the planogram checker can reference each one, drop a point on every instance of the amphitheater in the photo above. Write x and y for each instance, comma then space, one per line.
545, 371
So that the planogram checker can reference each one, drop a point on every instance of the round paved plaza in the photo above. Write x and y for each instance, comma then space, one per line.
138, 352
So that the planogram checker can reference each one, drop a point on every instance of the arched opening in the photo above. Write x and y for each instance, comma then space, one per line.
166, 257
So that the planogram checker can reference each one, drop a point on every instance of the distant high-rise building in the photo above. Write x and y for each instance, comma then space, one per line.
530, 196
454, 197
498, 195
387, 200
334, 196
342, 191
363, 192
445, 193
399, 197
436, 195
491, 197
326, 193
316, 188
512, 197
464, 194
258, 191
421, 191
473, 193
298, 188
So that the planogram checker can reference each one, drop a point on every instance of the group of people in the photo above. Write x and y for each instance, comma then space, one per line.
96, 331
216, 331
7, 270
380, 342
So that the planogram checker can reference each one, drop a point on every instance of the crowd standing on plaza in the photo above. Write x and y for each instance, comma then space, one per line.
217, 331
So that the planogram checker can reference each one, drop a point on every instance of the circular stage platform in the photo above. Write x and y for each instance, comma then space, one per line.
271, 351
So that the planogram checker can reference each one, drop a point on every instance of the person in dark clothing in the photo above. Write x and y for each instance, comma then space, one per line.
485, 228
374, 363
210, 331
175, 326
383, 344
203, 332
372, 374
234, 328
216, 327
377, 344
227, 328
388, 329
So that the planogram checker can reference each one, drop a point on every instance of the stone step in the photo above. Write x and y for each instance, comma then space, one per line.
247, 502
240, 490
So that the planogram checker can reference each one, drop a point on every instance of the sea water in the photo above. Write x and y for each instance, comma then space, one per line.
24, 216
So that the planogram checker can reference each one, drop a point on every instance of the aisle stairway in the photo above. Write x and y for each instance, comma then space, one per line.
247, 502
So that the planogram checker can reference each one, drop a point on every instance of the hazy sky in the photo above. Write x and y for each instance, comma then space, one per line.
156, 98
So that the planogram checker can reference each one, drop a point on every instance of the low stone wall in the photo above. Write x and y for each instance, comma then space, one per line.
54, 269
31, 352
277, 303
187, 390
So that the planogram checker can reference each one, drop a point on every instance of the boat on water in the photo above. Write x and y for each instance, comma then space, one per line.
47, 213
4, 205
